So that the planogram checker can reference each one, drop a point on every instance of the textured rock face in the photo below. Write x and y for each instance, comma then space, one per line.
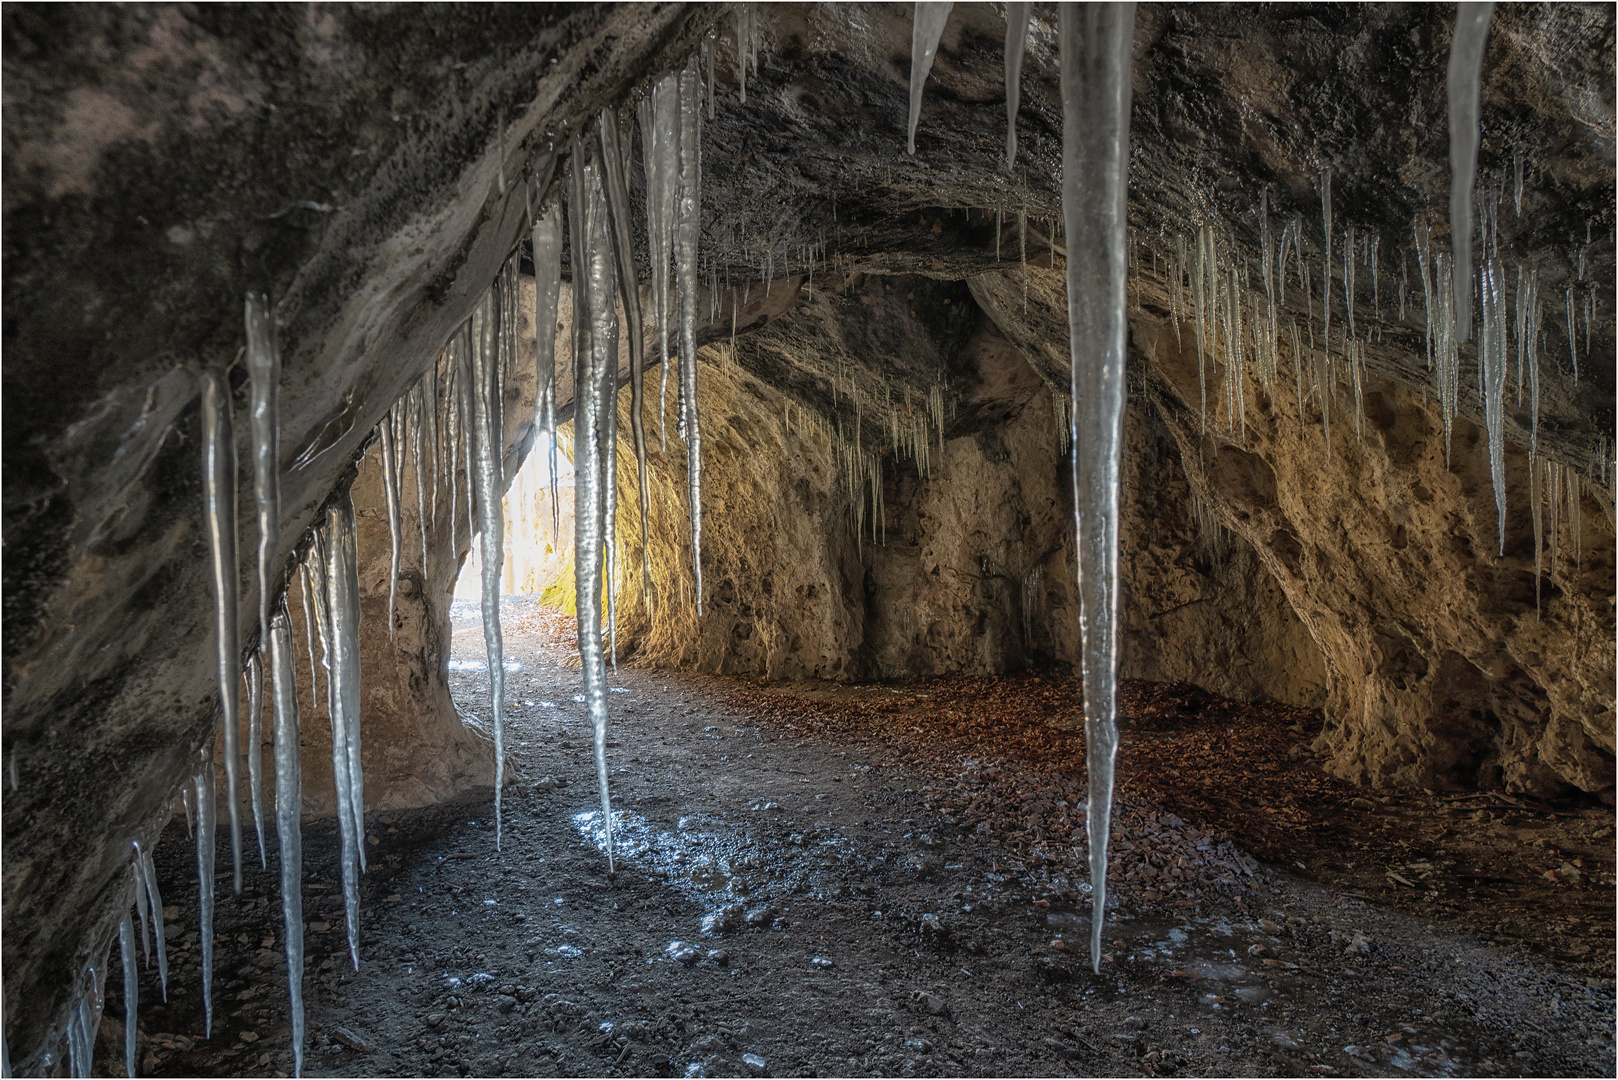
369, 168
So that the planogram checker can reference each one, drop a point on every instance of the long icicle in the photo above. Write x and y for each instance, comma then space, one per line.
487, 430
264, 378
662, 163
547, 243
925, 33
687, 227
255, 745
126, 952
415, 429
205, 796
390, 491
342, 606
1464, 74
219, 484
288, 814
1096, 41
1017, 12
595, 350
629, 292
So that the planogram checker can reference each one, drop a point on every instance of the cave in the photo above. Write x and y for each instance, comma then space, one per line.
622, 540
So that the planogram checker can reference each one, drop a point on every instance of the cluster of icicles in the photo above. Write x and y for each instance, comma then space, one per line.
450, 424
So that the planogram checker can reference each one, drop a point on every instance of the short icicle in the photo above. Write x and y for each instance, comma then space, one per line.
1017, 12
343, 660
219, 485
154, 901
487, 443
1462, 82
1096, 42
925, 33
289, 814
390, 491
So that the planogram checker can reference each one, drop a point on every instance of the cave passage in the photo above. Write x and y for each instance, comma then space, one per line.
871, 879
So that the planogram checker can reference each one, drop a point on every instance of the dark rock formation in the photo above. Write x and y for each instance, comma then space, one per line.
370, 168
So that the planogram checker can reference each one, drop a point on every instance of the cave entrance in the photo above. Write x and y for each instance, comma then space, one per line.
539, 533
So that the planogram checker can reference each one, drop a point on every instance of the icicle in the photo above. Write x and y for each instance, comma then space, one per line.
1572, 335
1022, 253
126, 950
686, 230
1465, 72
463, 394
1534, 314
925, 33
1325, 217
219, 485
1516, 180
255, 743
745, 17
264, 377
1201, 302
1016, 40
595, 354
1348, 278
1095, 81
343, 660
203, 792
1446, 348
415, 428
1421, 235
660, 133
1297, 366
547, 243
488, 451
708, 51
390, 490
288, 815
1536, 496
146, 875
143, 912
629, 292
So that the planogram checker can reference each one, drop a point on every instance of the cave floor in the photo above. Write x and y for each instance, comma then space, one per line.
882, 881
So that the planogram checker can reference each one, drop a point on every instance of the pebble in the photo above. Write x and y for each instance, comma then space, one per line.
918, 1046
505, 1003
761, 916
754, 1063
681, 953
719, 957
434, 1019
695, 1069
821, 962
726, 920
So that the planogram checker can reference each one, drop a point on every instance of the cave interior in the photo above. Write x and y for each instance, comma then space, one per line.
920, 404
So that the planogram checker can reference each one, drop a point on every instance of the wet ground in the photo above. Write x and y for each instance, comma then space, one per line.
889, 881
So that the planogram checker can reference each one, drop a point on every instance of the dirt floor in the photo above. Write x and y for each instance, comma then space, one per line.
890, 881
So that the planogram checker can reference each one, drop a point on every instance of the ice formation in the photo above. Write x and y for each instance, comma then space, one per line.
126, 953
390, 491
925, 34
264, 377
255, 747
687, 227
219, 488
1017, 12
288, 814
546, 237
595, 360
1465, 72
204, 795
660, 135
1492, 356
1095, 80
486, 448
340, 638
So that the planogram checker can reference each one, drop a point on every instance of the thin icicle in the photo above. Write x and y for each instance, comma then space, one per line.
1017, 13
126, 951
1325, 218
629, 292
342, 610
1462, 81
1572, 335
547, 241
415, 410
204, 794
687, 226
746, 16
488, 451
264, 377
143, 911
154, 900
1536, 497
1516, 180
288, 815
1493, 362
255, 744
390, 491
219, 486
925, 33
660, 133
1095, 53
595, 354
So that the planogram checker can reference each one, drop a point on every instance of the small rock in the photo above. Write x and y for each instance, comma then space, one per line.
434, 1019
1269, 927
726, 920
761, 916
249, 1036
754, 1063
918, 1046
931, 925
505, 1003
681, 953
1134, 1023
695, 1069
719, 957
821, 962
932, 1004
